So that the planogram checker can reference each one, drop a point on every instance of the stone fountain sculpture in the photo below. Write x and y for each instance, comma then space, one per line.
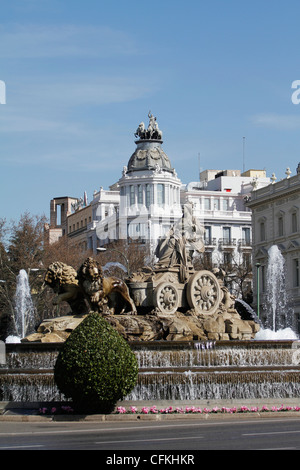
171, 302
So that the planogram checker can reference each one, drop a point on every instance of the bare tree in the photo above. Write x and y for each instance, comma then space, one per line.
124, 257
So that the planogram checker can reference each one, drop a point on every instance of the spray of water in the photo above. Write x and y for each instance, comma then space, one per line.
24, 308
279, 313
114, 264
276, 298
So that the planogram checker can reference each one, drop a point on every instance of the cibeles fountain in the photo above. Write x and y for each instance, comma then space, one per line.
170, 302
192, 338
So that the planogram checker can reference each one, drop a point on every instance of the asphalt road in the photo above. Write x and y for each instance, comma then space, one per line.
167, 437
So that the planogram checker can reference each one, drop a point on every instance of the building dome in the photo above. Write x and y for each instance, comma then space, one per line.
149, 154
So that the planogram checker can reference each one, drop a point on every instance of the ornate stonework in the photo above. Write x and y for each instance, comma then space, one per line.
152, 132
149, 154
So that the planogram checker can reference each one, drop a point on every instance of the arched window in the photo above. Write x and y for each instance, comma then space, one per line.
294, 222
280, 223
262, 221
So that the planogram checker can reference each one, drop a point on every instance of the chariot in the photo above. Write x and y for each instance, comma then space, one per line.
168, 290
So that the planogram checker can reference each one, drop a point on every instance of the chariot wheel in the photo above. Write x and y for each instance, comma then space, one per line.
203, 292
166, 298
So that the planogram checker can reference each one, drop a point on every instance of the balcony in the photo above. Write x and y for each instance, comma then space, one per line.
210, 242
229, 242
245, 243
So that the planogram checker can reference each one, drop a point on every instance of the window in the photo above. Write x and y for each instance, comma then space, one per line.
132, 195
149, 195
207, 235
140, 194
160, 194
226, 235
246, 236
225, 204
280, 226
296, 278
246, 260
207, 204
294, 222
227, 258
262, 231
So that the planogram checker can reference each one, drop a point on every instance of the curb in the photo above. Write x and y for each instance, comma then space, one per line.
147, 417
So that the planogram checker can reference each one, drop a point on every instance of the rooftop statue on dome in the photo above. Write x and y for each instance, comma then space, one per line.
152, 132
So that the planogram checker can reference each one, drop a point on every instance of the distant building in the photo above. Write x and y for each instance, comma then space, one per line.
275, 221
219, 202
105, 209
60, 209
149, 190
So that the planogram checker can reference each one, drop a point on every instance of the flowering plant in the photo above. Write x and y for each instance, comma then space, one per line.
63, 409
150, 410
194, 409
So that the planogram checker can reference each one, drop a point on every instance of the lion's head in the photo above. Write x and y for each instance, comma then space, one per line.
60, 274
90, 270
64, 282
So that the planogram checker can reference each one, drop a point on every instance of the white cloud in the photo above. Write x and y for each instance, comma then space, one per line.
74, 91
35, 41
277, 121
28, 123
43, 105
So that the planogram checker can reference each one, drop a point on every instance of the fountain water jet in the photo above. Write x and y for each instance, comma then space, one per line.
23, 308
114, 264
279, 313
276, 288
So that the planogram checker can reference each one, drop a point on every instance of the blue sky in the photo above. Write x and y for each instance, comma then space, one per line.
81, 75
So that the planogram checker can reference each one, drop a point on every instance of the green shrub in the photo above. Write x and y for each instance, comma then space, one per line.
95, 367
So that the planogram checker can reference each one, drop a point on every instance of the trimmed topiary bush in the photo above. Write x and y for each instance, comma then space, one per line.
95, 367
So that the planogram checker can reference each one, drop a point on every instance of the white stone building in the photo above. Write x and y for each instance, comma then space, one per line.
103, 227
148, 194
219, 202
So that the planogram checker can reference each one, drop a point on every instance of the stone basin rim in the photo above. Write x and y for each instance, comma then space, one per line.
20, 347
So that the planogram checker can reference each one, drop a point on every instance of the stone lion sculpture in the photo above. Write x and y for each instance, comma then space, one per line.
63, 280
99, 290
88, 283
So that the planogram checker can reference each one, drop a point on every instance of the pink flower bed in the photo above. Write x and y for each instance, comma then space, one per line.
145, 410
194, 409
64, 409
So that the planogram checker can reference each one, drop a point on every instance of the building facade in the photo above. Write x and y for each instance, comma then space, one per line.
219, 201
